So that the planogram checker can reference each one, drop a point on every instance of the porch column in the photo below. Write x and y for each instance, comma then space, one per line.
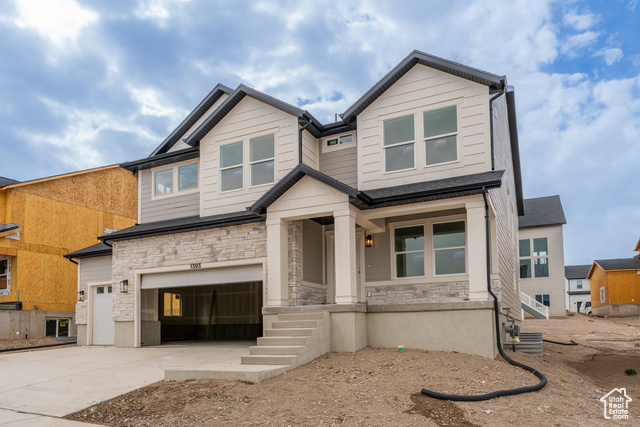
277, 262
477, 251
345, 257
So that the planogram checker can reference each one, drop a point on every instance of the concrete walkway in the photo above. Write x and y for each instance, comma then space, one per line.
61, 381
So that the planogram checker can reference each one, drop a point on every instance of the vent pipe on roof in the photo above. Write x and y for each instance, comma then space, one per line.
300, 139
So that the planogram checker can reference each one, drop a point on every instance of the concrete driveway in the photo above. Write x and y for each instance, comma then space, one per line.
60, 381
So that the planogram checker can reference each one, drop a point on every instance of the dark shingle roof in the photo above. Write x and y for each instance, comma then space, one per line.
576, 271
8, 227
90, 251
7, 181
162, 159
541, 212
619, 264
182, 224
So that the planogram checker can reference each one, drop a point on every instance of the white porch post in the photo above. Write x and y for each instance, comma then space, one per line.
345, 257
477, 251
277, 262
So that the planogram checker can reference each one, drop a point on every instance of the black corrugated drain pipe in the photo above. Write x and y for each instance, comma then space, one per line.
499, 393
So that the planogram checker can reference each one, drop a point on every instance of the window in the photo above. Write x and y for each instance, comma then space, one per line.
602, 295
449, 242
399, 144
186, 176
579, 284
440, 135
543, 299
344, 139
5, 276
172, 305
57, 327
261, 159
536, 263
231, 167
409, 251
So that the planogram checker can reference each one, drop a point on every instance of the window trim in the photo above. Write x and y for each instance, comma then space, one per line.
465, 247
8, 290
175, 167
221, 169
394, 254
542, 299
265, 160
578, 284
430, 138
339, 146
532, 258
398, 144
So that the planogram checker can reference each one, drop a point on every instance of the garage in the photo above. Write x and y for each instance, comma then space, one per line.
203, 304
103, 324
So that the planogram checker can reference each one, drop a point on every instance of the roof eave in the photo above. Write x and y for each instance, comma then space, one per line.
515, 148
162, 159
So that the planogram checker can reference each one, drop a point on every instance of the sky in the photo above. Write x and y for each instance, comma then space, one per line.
87, 83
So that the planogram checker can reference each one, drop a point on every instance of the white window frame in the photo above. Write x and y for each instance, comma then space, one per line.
239, 165
394, 254
8, 290
398, 144
578, 284
465, 247
175, 167
262, 161
533, 257
456, 133
340, 145
542, 299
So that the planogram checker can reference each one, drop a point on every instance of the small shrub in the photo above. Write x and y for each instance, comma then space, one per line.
630, 371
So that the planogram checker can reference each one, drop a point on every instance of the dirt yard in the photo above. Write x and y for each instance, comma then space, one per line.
381, 387
17, 343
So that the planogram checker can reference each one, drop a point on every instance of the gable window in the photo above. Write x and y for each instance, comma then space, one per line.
5, 276
231, 167
399, 144
534, 264
440, 135
579, 284
449, 244
172, 304
261, 160
175, 178
343, 139
543, 299
409, 251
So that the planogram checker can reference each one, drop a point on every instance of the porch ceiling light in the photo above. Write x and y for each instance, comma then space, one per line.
81, 295
368, 241
124, 286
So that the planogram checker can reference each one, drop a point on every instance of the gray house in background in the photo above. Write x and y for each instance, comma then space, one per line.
578, 287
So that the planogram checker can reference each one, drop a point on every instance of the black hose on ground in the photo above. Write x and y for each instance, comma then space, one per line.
562, 343
36, 346
499, 393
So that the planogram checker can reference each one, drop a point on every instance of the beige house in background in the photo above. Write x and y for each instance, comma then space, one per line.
258, 221
541, 253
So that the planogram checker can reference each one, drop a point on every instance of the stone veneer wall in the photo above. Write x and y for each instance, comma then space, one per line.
236, 242
300, 293
418, 293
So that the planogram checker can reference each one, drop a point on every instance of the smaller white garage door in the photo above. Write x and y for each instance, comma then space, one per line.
103, 325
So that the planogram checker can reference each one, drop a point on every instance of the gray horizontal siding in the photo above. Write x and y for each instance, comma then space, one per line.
378, 258
311, 251
341, 164
96, 269
166, 208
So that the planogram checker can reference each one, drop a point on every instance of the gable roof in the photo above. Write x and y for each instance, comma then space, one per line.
576, 271
619, 264
98, 249
192, 118
7, 181
542, 212
637, 248
417, 57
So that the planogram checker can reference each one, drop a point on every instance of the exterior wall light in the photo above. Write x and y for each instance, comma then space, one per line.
81, 295
368, 241
124, 286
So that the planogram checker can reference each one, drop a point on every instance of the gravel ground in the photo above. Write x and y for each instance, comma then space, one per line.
4, 344
381, 387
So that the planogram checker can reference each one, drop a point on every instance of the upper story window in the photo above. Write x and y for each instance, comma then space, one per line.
579, 284
538, 258
5, 276
399, 144
173, 179
261, 159
231, 169
449, 242
343, 139
440, 135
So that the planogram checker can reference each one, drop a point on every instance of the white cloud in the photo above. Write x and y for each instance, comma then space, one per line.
576, 43
60, 21
152, 103
580, 22
611, 55
156, 10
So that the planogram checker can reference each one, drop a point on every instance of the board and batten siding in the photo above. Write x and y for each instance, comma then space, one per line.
179, 145
167, 207
424, 89
312, 251
249, 119
341, 164
504, 225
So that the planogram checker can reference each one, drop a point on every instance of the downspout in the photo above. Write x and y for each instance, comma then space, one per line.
75, 262
502, 92
300, 139
496, 312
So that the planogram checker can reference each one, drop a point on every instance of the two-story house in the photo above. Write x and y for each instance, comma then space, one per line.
578, 288
253, 212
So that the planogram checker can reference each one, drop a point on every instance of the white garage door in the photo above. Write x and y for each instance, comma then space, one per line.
103, 325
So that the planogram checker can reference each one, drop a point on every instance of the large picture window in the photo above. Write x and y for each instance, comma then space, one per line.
261, 159
5, 276
231, 170
175, 179
449, 246
409, 251
440, 135
534, 263
399, 144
